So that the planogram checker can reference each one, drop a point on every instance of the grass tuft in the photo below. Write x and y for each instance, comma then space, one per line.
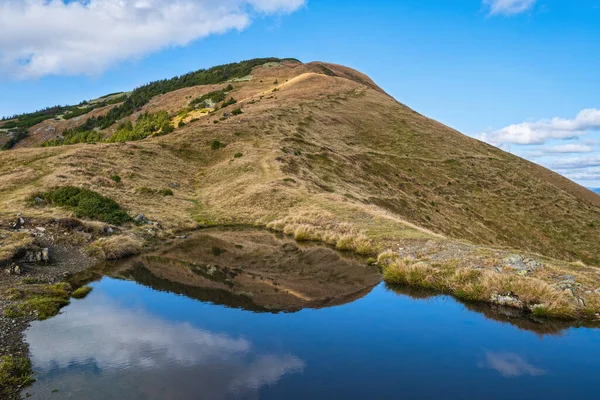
115, 247
15, 373
81, 292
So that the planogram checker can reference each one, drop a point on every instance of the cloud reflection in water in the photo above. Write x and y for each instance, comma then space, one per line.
136, 353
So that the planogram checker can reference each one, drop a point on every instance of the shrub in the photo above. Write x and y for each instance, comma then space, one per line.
228, 102
147, 124
229, 88
208, 99
216, 145
237, 111
116, 178
238, 155
17, 135
165, 130
86, 204
166, 192
181, 124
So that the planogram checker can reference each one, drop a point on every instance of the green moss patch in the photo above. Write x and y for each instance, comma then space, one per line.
82, 292
39, 301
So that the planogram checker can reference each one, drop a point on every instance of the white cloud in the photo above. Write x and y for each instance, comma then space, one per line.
541, 131
508, 7
42, 37
576, 162
510, 365
582, 168
570, 148
585, 174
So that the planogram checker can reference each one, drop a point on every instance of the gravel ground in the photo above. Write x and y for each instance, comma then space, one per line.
65, 259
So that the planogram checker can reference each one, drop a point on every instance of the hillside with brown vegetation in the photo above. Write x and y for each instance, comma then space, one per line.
320, 151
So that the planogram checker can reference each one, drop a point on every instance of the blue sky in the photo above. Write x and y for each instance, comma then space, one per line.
520, 74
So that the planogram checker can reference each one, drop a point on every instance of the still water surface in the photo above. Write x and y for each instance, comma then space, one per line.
129, 341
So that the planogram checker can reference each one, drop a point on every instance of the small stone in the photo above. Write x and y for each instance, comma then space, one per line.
40, 229
46, 254
140, 219
580, 302
210, 270
515, 262
38, 200
570, 278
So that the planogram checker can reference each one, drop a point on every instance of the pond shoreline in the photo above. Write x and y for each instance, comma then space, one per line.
69, 260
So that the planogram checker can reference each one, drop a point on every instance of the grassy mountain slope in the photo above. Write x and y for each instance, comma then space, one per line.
320, 151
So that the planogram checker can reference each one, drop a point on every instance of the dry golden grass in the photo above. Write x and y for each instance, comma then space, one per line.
115, 247
530, 294
314, 226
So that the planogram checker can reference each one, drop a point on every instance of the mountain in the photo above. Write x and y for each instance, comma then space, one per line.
316, 150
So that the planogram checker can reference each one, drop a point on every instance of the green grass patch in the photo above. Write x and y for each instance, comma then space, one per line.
41, 301
15, 373
86, 204
82, 292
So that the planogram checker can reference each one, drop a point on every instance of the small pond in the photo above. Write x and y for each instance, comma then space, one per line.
249, 315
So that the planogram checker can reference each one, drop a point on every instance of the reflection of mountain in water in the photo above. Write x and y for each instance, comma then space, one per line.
141, 274
506, 315
252, 270
95, 342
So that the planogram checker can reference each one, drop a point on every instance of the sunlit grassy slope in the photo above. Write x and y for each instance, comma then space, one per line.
327, 147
